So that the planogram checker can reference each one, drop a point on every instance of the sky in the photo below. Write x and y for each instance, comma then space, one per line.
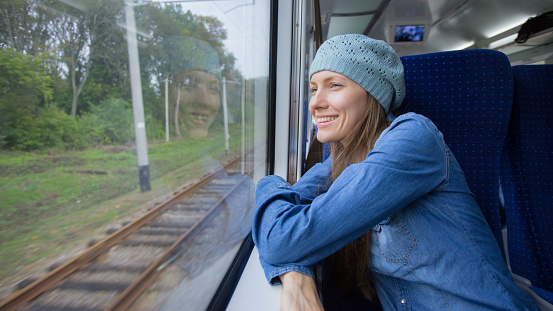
247, 25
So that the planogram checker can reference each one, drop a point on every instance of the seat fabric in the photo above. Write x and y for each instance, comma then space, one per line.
527, 178
468, 95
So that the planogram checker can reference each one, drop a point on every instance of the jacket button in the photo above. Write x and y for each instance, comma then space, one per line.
403, 300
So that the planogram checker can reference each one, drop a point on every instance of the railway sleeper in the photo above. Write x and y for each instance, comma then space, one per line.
197, 203
214, 189
45, 307
190, 209
128, 242
167, 224
94, 286
160, 232
101, 267
218, 186
222, 181
152, 243
181, 216
155, 231
82, 285
209, 191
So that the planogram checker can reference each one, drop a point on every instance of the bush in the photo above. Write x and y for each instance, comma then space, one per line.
110, 122
154, 129
6, 127
47, 127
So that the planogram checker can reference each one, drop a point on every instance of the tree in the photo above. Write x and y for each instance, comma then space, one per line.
25, 87
78, 30
73, 55
24, 26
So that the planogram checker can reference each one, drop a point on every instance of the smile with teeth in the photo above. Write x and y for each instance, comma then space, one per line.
199, 116
326, 119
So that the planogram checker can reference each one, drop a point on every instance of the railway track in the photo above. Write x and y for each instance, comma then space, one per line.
115, 272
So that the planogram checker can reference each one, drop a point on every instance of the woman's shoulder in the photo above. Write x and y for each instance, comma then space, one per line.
412, 128
412, 118
412, 122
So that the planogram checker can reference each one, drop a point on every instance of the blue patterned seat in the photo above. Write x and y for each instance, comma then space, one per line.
527, 178
468, 95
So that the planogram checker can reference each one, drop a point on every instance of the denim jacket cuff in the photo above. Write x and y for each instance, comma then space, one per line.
272, 272
267, 184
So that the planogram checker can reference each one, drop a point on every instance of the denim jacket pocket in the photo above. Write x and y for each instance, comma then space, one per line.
395, 241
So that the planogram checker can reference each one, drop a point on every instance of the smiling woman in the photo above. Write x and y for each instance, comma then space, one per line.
196, 85
336, 104
197, 101
390, 213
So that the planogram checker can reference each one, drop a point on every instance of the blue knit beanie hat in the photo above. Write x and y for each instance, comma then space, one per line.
188, 54
372, 64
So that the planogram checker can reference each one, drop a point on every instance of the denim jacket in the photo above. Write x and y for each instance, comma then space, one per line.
430, 248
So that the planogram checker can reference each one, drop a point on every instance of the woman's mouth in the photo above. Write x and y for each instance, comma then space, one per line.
199, 117
325, 120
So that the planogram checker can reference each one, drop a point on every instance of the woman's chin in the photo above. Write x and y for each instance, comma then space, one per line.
198, 132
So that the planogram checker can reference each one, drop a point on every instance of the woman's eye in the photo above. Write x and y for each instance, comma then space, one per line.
334, 85
184, 83
214, 89
313, 89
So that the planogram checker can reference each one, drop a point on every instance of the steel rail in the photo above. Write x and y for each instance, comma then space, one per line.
55, 277
125, 300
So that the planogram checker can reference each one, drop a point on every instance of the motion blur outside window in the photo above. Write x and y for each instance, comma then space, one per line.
108, 109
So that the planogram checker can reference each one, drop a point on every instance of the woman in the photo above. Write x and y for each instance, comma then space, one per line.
391, 207
196, 85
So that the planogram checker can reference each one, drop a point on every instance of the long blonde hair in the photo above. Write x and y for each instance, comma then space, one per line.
351, 262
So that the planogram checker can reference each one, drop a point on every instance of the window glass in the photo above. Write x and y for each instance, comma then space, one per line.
108, 109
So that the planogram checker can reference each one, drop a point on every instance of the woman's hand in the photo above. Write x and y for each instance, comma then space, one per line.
299, 293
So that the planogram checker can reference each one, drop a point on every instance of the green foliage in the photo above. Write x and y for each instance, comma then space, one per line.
24, 25
49, 207
55, 54
155, 129
25, 91
6, 127
49, 127
110, 122
93, 93
25, 76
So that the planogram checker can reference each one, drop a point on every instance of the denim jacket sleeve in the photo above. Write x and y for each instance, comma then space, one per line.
312, 184
408, 161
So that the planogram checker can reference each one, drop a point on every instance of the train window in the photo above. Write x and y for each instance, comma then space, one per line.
131, 133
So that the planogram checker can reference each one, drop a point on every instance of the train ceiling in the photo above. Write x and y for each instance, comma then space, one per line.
450, 24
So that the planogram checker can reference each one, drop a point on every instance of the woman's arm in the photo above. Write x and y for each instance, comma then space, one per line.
299, 292
314, 182
408, 161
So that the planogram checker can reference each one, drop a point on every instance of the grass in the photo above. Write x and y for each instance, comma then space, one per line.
53, 202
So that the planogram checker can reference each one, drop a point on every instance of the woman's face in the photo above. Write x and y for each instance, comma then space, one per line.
199, 101
337, 104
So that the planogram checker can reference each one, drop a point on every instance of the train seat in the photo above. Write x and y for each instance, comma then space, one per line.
527, 180
468, 95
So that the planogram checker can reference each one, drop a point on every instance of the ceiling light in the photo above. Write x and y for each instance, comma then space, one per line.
503, 41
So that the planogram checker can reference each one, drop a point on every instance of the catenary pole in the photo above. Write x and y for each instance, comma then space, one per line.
166, 109
137, 104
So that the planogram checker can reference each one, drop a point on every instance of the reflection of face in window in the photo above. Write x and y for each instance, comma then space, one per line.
196, 75
196, 100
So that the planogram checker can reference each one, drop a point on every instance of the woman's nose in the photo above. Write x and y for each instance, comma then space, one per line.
318, 100
206, 98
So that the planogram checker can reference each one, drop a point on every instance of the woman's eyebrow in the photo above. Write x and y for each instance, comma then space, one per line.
332, 77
